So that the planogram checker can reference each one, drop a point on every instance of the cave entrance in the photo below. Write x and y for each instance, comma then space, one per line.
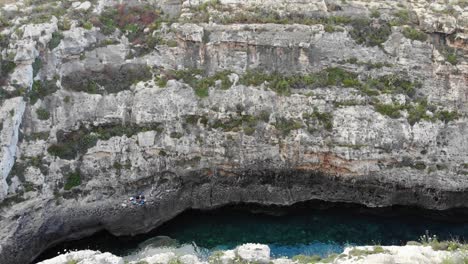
311, 228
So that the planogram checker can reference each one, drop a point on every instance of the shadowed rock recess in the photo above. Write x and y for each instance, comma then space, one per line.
200, 104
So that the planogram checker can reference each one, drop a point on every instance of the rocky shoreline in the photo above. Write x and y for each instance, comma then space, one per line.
257, 253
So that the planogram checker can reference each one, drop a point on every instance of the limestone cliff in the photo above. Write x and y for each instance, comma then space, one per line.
199, 104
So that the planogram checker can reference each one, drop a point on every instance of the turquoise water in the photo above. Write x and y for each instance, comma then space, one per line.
304, 230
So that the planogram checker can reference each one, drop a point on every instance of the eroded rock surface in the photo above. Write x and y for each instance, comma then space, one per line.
199, 104
257, 253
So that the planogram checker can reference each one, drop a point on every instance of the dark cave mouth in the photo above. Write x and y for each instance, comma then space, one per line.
310, 228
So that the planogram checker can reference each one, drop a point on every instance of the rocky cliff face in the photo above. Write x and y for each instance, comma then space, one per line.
204, 103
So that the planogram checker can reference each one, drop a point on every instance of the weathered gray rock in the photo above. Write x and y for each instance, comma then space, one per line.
254, 253
126, 129
351, 255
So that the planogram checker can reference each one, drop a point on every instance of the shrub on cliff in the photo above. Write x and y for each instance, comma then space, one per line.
452, 58
112, 79
56, 39
390, 110
73, 179
401, 17
74, 143
285, 125
447, 116
414, 34
130, 19
246, 123
417, 112
200, 83
41, 89
393, 84
6, 67
42, 114
283, 84
370, 32
317, 118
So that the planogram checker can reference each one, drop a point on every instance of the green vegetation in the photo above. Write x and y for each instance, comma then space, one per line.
331, 258
303, 259
462, 3
39, 18
37, 64
364, 252
391, 110
449, 53
282, 84
447, 116
452, 58
414, 34
370, 33
19, 167
37, 136
56, 39
450, 245
87, 25
29, 186
42, 114
402, 17
161, 81
6, 67
235, 123
365, 31
175, 260
4, 23
375, 13
215, 257
285, 125
317, 118
392, 84
369, 65
417, 111
71, 144
64, 24
118, 166
4, 40
107, 21
347, 103
261, 16
455, 260
211, 3
246, 123
107, 42
112, 79
193, 119
264, 116
176, 135
73, 179
41, 89
200, 84
131, 20
419, 165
